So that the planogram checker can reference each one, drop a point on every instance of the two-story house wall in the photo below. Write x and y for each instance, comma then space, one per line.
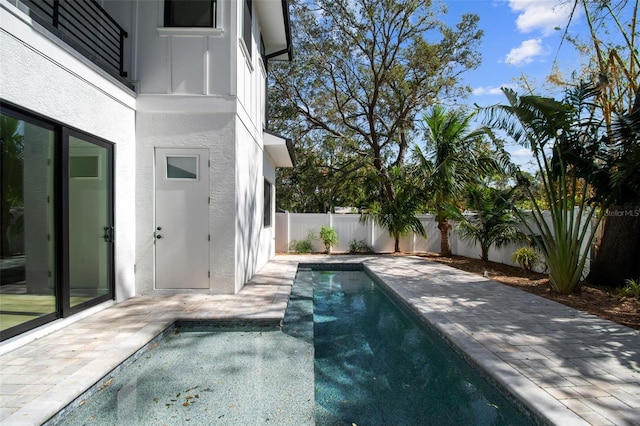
135, 158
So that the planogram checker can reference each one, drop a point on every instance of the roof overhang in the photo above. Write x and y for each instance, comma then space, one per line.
279, 149
276, 28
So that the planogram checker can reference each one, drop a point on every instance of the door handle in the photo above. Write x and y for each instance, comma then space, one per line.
108, 234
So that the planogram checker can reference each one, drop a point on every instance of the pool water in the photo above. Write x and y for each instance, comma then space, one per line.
206, 376
376, 365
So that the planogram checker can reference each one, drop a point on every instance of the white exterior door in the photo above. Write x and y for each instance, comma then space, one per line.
182, 218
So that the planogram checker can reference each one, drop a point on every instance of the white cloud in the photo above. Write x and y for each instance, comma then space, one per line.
526, 53
543, 15
491, 90
522, 152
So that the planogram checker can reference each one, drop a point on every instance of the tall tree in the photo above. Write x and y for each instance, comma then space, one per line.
325, 177
453, 157
365, 68
614, 65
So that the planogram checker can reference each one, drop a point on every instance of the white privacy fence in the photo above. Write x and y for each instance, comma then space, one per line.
295, 227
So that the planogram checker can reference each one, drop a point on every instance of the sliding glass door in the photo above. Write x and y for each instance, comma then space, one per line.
90, 222
56, 250
28, 269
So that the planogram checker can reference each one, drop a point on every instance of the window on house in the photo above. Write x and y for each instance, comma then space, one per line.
267, 204
246, 29
190, 13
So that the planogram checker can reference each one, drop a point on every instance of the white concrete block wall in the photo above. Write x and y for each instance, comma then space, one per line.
73, 91
249, 198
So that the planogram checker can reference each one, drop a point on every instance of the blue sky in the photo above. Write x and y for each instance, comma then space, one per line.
520, 38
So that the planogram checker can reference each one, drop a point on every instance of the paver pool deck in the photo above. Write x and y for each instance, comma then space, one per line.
568, 367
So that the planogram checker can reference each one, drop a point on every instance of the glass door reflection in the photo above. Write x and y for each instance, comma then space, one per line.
90, 220
28, 238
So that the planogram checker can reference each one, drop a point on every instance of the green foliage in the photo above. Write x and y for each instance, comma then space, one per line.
398, 215
565, 140
630, 289
526, 257
303, 246
329, 237
12, 175
359, 247
326, 176
492, 223
611, 60
364, 70
453, 158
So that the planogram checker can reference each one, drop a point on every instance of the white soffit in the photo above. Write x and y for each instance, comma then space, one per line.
277, 149
274, 28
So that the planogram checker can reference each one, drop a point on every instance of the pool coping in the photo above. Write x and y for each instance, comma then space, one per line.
571, 369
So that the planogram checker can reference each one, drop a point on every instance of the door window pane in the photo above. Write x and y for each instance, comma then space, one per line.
84, 167
27, 263
89, 221
182, 167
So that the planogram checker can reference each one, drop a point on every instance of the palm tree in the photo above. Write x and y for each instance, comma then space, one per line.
492, 223
453, 158
398, 215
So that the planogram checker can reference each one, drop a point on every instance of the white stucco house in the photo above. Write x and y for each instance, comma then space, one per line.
136, 157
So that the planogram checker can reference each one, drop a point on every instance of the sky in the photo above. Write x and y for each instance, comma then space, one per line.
521, 37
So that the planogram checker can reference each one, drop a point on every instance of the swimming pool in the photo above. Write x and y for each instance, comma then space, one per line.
375, 364
379, 366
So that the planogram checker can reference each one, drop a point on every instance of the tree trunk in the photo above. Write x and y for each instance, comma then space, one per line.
485, 253
618, 257
445, 246
397, 246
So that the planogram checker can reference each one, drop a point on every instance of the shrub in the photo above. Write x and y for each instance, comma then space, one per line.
329, 237
303, 246
631, 288
526, 257
359, 247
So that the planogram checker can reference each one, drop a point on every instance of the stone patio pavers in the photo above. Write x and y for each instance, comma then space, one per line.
42, 377
567, 366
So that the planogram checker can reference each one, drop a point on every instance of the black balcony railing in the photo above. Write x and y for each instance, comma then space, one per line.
87, 27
